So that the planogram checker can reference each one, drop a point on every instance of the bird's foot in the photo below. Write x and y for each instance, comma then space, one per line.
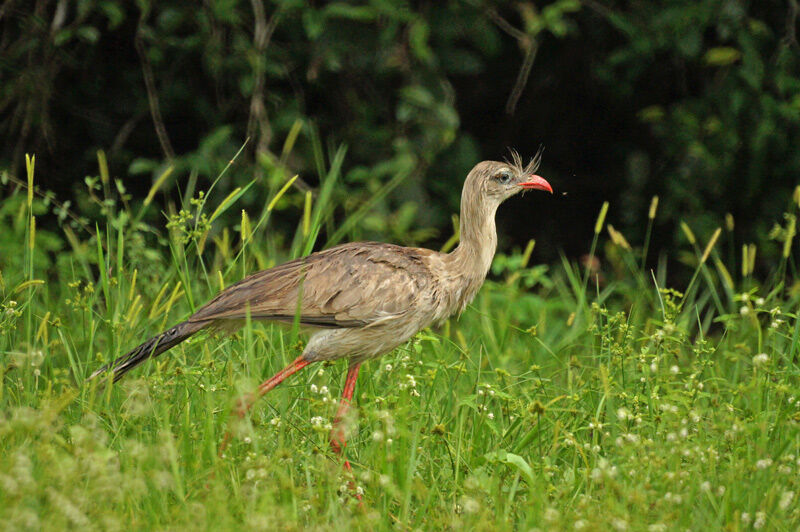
350, 486
238, 412
243, 405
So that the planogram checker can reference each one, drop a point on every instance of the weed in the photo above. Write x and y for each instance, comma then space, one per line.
589, 398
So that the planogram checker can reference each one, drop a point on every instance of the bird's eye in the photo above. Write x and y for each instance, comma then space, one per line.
503, 177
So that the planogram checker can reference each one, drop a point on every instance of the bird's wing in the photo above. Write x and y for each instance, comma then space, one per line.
352, 285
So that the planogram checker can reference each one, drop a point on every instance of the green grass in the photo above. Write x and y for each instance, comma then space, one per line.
559, 400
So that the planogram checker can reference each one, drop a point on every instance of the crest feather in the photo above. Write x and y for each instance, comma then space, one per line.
530, 168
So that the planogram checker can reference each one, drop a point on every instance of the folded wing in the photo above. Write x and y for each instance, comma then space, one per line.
353, 285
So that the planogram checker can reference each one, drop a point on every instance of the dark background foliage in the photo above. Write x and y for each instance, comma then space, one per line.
695, 101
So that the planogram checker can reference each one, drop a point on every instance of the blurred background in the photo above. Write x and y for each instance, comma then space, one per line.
696, 101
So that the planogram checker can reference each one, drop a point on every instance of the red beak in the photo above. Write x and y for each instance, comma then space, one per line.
536, 182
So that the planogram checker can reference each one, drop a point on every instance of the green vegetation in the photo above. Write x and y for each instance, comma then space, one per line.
569, 397
652, 386
696, 101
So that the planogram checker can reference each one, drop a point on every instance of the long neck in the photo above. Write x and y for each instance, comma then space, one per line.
473, 256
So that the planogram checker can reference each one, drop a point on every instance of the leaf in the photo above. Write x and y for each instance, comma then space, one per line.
281, 192
230, 200
27, 284
313, 23
89, 34
492, 426
722, 56
418, 40
343, 10
417, 95
651, 114
142, 166
113, 13
512, 459
61, 37
157, 185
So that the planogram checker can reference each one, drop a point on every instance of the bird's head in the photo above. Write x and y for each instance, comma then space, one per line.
497, 181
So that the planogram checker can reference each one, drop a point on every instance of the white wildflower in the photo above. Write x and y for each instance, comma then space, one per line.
786, 500
764, 463
320, 423
551, 515
470, 505
666, 407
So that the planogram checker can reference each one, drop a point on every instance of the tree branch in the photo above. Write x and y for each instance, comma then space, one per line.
258, 111
152, 97
504, 25
598, 8
522, 76
529, 44
790, 37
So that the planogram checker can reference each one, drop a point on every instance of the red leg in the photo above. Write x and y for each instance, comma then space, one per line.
298, 364
246, 403
337, 433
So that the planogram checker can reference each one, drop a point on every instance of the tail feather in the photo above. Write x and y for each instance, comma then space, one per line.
151, 348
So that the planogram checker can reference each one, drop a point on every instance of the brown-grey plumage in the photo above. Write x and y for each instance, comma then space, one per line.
364, 299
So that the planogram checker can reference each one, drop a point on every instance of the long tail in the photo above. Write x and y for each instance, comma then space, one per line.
151, 348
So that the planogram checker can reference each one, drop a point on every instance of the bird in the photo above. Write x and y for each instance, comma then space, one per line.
360, 300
